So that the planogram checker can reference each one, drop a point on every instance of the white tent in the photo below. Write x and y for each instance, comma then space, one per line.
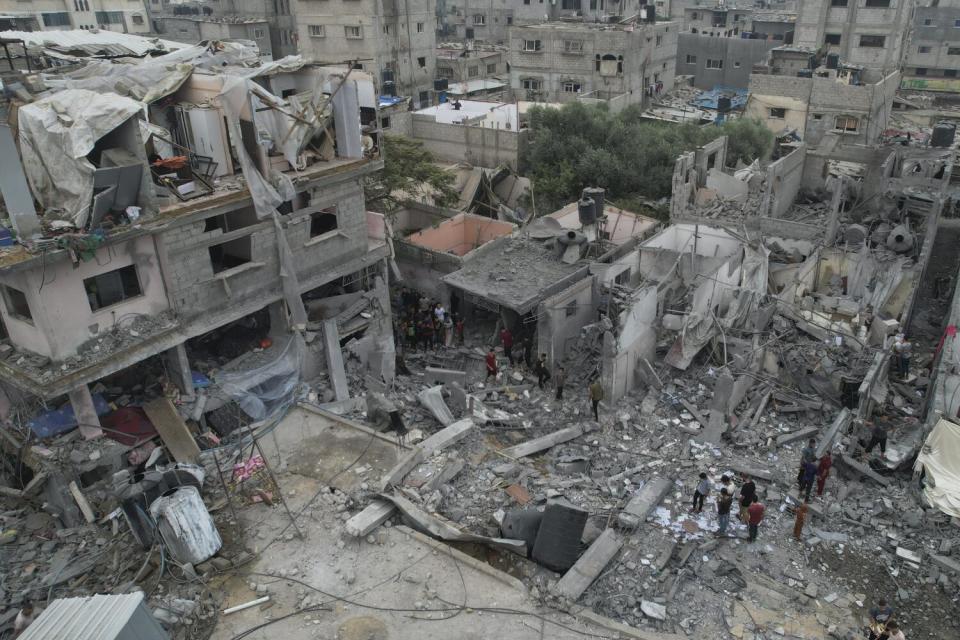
940, 459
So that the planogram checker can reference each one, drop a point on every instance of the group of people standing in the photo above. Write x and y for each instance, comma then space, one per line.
750, 511
426, 324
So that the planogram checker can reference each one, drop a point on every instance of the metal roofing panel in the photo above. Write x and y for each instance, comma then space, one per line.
99, 617
80, 37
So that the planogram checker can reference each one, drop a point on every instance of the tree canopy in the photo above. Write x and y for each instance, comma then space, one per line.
409, 172
581, 145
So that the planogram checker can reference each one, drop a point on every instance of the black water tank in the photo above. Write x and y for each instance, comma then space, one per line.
943, 134
596, 194
833, 60
386, 75
558, 541
522, 524
724, 104
586, 211
805, 73
389, 89
441, 84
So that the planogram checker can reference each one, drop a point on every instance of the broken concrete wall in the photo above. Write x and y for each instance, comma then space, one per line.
477, 145
461, 234
636, 339
685, 250
560, 318
816, 171
917, 168
64, 310
624, 270
684, 185
784, 178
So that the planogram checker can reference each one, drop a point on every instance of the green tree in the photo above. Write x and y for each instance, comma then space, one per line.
409, 172
582, 145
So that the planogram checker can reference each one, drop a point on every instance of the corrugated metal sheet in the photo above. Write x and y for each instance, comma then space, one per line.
100, 617
75, 38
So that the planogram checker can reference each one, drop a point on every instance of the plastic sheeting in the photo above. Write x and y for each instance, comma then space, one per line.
873, 280
268, 390
145, 81
940, 458
56, 134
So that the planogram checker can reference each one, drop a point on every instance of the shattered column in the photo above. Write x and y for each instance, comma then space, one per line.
178, 366
85, 412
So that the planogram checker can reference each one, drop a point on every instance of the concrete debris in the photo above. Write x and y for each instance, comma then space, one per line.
576, 580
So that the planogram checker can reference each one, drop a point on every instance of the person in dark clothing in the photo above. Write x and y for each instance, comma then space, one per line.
559, 379
809, 454
806, 480
596, 395
724, 502
747, 491
878, 436
542, 371
528, 352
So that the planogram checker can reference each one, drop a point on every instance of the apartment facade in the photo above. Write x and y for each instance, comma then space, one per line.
932, 61
564, 61
193, 29
868, 33
125, 16
204, 253
393, 39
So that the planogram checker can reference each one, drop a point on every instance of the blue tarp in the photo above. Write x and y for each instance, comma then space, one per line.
62, 420
708, 99
389, 101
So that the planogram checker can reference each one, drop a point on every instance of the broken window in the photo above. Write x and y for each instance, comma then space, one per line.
872, 41
17, 305
571, 309
714, 64
778, 112
531, 45
531, 84
623, 278
112, 287
473, 71
832, 38
323, 221
571, 86
847, 124
422, 62
233, 253
492, 68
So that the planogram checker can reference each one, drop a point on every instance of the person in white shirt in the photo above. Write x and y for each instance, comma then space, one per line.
24, 619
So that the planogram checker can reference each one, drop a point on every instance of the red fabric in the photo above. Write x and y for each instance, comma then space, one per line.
129, 426
506, 338
823, 469
491, 362
755, 511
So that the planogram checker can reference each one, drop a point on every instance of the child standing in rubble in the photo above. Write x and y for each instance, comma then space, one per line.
491, 364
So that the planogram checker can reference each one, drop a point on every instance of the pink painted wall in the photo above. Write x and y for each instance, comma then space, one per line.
461, 234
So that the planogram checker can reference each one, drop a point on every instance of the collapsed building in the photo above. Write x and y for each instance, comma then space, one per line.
230, 440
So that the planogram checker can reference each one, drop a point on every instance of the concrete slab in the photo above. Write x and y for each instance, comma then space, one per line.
376, 513
331, 348
644, 501
541, 444
582, 574
437, 375
432, 399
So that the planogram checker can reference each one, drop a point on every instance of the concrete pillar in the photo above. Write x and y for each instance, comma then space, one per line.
178, 368
85, 412
279, 323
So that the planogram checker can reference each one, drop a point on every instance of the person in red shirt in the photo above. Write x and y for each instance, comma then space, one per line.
754, 517
823, 471
491, 364
506, 339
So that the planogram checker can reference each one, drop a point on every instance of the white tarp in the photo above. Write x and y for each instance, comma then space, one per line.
146, 80
940, 458
56, 134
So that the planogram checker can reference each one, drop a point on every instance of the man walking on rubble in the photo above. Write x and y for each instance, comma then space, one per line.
700, 493
823, 471
542, 371
724, 502
491, 365
754, 517
806, 481
799, 522
903, 349
747, 492
559, 379
596, 395
878, 436
809, 454
506, 339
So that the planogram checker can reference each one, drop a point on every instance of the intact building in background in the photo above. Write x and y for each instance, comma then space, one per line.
396, 41
932, 60
617, 64
126, 16
869, 33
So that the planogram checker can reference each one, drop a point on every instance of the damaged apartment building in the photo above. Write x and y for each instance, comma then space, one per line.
213, 210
